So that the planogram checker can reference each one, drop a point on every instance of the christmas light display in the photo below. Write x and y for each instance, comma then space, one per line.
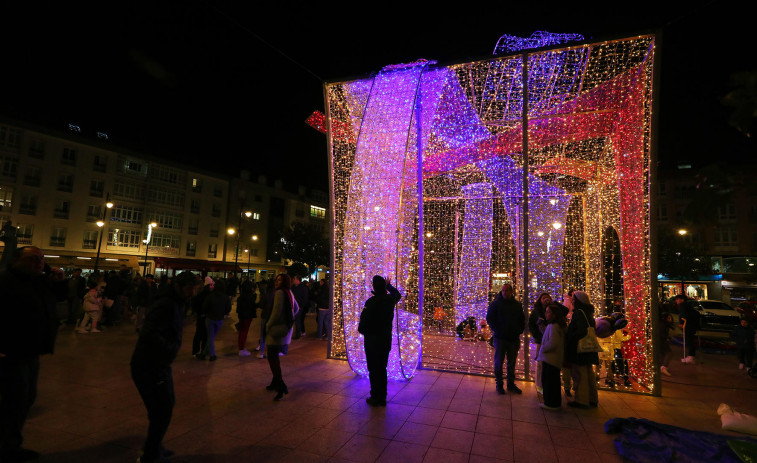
429, 171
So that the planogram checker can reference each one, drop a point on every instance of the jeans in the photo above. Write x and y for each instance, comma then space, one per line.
324, 323
505, 348
213, 327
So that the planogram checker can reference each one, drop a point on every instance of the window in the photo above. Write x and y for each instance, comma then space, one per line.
167, 220
726, 236
216, 212
167, 174
33, 176
6, 197
37, 148
24, 233
58, 237
28, 205
126, 214
8, 166
317, 212
255, 216
218, 190
194, 225
132, 166
164, 240
124, 238
662, 213
90, 239
10, 137
66, 183
68, 157
96, 188
191, 248
196, 185
661, 188
61, 210
93, 213
194, 206
164, 196
212, 250
100, 164
214, 227
727, 212
253, 252
129, 191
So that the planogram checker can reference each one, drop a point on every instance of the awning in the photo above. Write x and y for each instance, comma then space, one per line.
195, 264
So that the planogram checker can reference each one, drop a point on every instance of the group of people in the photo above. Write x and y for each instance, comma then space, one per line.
556, 329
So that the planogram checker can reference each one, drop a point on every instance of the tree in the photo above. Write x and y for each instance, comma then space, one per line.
743, 101
678, 258
304, 244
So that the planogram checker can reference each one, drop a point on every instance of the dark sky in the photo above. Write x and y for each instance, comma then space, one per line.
228, 85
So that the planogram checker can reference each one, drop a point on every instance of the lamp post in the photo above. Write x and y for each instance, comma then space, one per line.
238, 231
150, 226
682, 232
101, 225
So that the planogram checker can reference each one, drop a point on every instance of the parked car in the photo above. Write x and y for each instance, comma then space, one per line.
718, 316
714, 315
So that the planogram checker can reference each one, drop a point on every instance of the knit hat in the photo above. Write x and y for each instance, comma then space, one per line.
209, 281
582, 297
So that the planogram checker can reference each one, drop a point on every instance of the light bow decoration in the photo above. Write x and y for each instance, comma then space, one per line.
430, 185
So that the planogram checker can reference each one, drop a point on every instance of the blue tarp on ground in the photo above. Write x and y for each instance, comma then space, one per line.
645, 441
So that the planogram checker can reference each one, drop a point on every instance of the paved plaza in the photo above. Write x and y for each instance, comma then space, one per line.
88, 409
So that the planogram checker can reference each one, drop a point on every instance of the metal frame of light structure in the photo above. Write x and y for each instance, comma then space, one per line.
544, 129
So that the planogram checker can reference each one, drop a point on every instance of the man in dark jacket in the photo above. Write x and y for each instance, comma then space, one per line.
301, 295
28, 327
376, 327
507, 321
159, 342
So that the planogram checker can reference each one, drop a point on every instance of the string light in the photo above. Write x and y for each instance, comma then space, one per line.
588, 187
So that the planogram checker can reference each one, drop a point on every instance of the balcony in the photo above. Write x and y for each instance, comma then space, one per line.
60, 213
27, 209
57, 241
89, 244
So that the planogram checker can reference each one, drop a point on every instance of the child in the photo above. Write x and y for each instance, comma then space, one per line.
744, 336
552, 355
92, 305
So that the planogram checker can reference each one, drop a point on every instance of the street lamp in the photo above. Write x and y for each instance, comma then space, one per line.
231, 231
101, 225
150, 226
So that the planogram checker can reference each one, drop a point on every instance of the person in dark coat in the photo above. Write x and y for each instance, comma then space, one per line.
536, 324
215, 307
743, 334
28, 329
584, 379
200, 338
376, 327
689, 319
247, 307
76, 288
159, 342
506, 320
301, 294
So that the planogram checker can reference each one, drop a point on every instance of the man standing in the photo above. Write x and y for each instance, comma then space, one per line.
376, 327
507, 321
159, 342
324, 310
300, 292
28, 328
76, 290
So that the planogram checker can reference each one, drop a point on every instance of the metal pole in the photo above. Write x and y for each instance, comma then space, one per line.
100, 240
526, 277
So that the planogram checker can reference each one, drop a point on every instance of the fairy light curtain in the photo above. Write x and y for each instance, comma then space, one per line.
428, 173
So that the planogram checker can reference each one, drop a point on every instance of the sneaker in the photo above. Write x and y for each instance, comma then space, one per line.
281, 354
514, 389
261, 355
244, 353
82, 331
664, 371
302, 334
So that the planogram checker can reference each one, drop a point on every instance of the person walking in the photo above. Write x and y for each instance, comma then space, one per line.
582, 363
159, 342
28, 329
376, 327
506, 319
215, 307
279, 331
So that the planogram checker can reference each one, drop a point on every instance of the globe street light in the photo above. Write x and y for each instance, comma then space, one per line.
101, 225
150, 226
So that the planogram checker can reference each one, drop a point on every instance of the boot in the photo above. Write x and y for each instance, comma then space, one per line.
281, 390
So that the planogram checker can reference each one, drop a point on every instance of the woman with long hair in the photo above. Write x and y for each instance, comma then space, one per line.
279, 330
584, 380
552, 354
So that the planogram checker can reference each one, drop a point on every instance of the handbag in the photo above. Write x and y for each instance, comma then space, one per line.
589, 343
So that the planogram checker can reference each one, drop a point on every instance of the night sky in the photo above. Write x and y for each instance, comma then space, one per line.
228, 85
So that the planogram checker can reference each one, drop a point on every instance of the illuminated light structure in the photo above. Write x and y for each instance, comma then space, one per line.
439, 179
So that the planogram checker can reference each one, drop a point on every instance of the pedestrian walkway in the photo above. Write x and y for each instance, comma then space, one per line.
88, 410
